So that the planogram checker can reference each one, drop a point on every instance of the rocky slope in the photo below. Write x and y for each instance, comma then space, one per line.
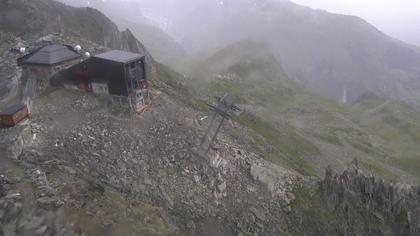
34, 19
128, 15
9, 72
92, 169
83, 166
364, 203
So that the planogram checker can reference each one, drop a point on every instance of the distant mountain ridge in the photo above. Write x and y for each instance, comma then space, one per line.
163, 48
308, 131
330, 54
37, 18
128, 15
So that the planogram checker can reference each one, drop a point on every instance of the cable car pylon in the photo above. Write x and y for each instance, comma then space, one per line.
221, 111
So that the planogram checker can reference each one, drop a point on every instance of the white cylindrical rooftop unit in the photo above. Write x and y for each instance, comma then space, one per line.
78, 48
87, 54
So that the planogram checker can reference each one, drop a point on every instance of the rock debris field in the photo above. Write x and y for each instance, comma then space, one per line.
94, 169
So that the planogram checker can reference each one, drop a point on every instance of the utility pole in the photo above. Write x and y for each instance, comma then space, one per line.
222, 111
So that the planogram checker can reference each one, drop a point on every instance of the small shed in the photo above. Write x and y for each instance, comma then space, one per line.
14, 115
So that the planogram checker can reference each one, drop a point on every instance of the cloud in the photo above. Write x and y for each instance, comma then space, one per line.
398, 18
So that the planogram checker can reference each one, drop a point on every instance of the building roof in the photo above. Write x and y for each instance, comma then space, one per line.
12, 110
49, 55
119, 56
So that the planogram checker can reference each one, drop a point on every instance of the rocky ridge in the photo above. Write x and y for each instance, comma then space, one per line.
368, 204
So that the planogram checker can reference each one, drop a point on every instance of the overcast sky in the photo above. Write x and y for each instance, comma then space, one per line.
397, 18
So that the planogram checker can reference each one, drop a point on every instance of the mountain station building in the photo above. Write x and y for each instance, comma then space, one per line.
46, 61
118, 74
39, 66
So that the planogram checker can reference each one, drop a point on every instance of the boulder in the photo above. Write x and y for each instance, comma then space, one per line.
278, 181
14, 140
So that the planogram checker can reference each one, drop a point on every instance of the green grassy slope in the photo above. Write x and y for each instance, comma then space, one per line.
398, 125
306, 132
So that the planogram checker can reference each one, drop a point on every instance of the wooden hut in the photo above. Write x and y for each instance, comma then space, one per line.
14, 115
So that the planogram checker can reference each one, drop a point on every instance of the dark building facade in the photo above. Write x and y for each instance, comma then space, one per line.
119, 73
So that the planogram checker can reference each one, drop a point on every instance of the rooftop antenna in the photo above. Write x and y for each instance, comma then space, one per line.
221, 111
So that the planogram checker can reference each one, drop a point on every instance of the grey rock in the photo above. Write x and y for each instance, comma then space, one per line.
14, 140
14, 197
4, 186
384, 200
41, 230
258, 212
47, 38
222, 187
274, 178
33, 223
49, 203
11, 206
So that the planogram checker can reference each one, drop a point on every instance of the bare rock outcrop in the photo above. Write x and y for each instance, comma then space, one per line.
369, 204
279, 181
14, 140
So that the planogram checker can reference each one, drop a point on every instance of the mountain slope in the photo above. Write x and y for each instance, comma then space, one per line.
306, 131
395, 122
127, 15
163, 48
82, 166
33, 19
337, 56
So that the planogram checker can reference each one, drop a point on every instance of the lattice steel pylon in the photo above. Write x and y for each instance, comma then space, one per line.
222, 111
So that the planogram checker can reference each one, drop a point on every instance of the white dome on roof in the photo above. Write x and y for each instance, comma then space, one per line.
22, 50
78, 48
87, 54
